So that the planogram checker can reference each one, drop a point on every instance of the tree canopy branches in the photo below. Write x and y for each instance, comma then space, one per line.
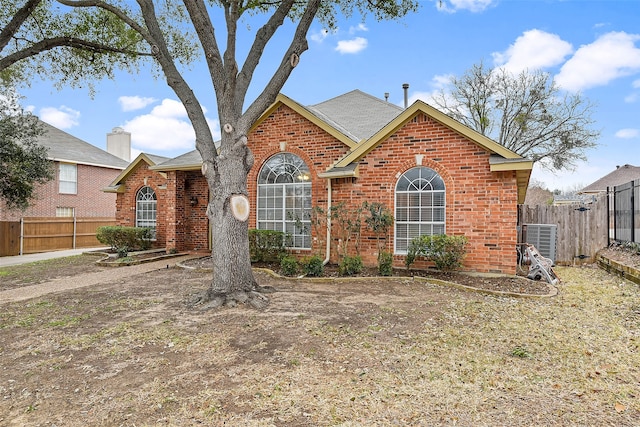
526, 113
23, 161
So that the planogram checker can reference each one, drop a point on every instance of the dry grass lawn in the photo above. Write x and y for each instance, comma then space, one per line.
355, 352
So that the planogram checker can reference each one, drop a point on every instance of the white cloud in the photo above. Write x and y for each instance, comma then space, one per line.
165, 128
533, 50
62, 117
132, 103
319, 36
636, 84
628, 133
352, 46
359, 27
611, 56
422, 96
452, 6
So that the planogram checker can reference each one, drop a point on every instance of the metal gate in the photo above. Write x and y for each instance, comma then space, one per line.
626, 211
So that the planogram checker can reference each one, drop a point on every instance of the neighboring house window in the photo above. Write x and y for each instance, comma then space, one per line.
284, 199
420, 206
68, 178
146, 209
64, 212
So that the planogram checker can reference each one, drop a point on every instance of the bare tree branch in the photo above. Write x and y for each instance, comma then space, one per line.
52, 43
204, 138
289, 61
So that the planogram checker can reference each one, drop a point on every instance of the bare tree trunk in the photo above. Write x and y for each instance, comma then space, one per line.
233, 281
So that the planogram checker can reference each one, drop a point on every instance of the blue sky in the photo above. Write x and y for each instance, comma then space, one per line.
588, 46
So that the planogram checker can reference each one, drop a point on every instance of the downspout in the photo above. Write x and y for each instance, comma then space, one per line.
328, 248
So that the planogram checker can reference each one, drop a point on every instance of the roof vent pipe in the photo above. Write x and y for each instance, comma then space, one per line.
386, 96
405, 87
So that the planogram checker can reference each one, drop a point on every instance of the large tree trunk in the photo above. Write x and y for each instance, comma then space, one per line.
233, 281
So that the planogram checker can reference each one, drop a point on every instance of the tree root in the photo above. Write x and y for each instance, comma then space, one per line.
208, 301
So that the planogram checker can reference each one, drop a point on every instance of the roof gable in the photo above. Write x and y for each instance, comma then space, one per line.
63, 147
501, 159
422, 107
117, 185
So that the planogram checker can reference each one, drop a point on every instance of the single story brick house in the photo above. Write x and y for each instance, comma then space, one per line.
433, 173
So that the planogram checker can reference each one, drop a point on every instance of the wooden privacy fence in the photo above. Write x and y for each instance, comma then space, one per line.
582, 230
32, 235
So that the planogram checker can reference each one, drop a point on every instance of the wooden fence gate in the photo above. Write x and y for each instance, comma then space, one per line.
9, 238
33, 235
582, 229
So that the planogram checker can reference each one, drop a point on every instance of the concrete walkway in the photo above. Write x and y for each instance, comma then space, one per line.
108, 275
6, 261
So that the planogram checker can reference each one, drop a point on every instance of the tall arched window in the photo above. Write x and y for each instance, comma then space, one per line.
420, 206
284, 199
146, 209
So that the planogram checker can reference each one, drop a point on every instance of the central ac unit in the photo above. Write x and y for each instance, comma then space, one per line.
543, 237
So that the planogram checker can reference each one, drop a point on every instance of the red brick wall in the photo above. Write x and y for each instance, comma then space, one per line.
90, 200
187, 222
126, 201
318, 149
481, 204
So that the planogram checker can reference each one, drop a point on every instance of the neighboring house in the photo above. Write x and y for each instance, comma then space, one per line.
621, 175
572, 199
433, 173
81, 171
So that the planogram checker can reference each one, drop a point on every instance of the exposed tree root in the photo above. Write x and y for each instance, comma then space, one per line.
255, 298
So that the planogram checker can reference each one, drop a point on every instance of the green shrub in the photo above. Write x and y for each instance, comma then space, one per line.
125, 239
313, 266
350, 265
446, 252
289, 265
266, 245
385, 263
123, 251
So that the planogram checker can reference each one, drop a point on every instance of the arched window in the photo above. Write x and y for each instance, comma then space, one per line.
420, 206
146, 209
284, 199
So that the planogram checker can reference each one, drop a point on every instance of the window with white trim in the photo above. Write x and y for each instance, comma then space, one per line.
420, 206
68, 178
146, 209
284, 199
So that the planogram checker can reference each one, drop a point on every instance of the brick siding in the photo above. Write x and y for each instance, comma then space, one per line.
90, 200
480, 204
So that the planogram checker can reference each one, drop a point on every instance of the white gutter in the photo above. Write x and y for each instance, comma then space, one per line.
328, 249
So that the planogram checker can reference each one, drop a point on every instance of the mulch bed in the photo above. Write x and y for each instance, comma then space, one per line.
494, 283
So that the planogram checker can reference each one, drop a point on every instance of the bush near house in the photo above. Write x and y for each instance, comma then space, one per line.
266, 245
124, 239
446, 252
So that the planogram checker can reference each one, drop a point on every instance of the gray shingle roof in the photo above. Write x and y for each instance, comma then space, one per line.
64, 147
356, 114
621, 175
187, 160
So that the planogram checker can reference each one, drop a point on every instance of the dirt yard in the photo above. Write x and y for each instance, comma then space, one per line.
332, 352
